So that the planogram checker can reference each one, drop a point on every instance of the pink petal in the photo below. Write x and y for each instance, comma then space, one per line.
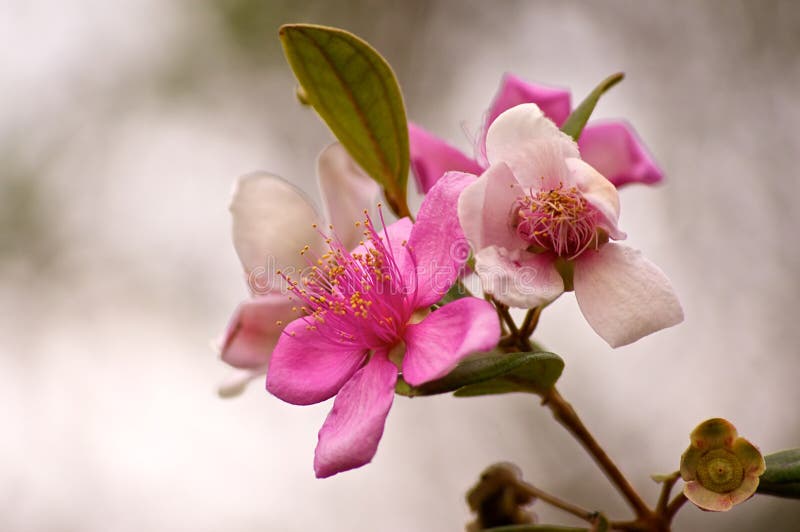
623, 295
616, 151
346, 192
271, 223
235, 384
518, 278
530, 144
707, 499
307, 368
350, 435
431, 157
253, 332
437, 243
436, 344
485, 209
599, 192
554, 102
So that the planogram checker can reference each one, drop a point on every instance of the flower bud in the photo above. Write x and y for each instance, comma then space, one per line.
720, 468
499, 498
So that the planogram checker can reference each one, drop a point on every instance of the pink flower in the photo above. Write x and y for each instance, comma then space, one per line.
610, 146
540, 220
271, 222
367, 313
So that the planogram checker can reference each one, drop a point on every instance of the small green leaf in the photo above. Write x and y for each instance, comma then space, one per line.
535, 528
493, 373
457, 291
578, 118
355, 91
536, 374
782, 476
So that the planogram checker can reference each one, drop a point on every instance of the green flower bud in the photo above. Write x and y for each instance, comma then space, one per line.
720, 468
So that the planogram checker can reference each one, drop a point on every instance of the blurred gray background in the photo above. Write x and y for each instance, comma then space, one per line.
122, 128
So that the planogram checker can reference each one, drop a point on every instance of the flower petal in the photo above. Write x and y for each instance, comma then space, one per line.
253, 332
529, 143
599, 192
518, 278
235, 384
436, 344
271, 223
616, 151
351, 432
307, 368
750, 457
745, 490
554, 102
431, 157
485, 209
437, 243
623, 295
707, 499
346, 192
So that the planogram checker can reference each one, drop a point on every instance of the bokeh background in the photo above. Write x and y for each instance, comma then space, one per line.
122, 128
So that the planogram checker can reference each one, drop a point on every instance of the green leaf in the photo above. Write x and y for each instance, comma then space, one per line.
535, 528
457, 291
782, 477
578, 118
355, 91
492, 373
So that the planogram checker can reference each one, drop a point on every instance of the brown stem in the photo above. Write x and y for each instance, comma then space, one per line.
502, 310
531, 321
568, 507
666, 489
566, 415
673, 507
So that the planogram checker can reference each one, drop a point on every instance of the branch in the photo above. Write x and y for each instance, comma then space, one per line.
566, 415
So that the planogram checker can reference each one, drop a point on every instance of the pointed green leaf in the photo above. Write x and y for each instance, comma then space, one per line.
578, 118
493, 373
537, 374
355, 91
782, 476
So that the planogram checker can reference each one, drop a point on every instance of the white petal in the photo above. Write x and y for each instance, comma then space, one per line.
470, 211
346, 192
518, 278
623, 295
599, 192
272, 221
519, 134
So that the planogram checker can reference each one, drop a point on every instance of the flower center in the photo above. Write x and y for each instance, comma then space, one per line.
558, 220
720, 471
355, 297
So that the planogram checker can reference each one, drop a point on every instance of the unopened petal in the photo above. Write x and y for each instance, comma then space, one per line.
350, 435
431, 157
253, 330
306, 367
346, 192
518, 278
272, 221
554, 102
437, 243
623, 295
436, 344
615, 150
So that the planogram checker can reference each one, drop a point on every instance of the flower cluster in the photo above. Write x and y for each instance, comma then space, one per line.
363, 301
